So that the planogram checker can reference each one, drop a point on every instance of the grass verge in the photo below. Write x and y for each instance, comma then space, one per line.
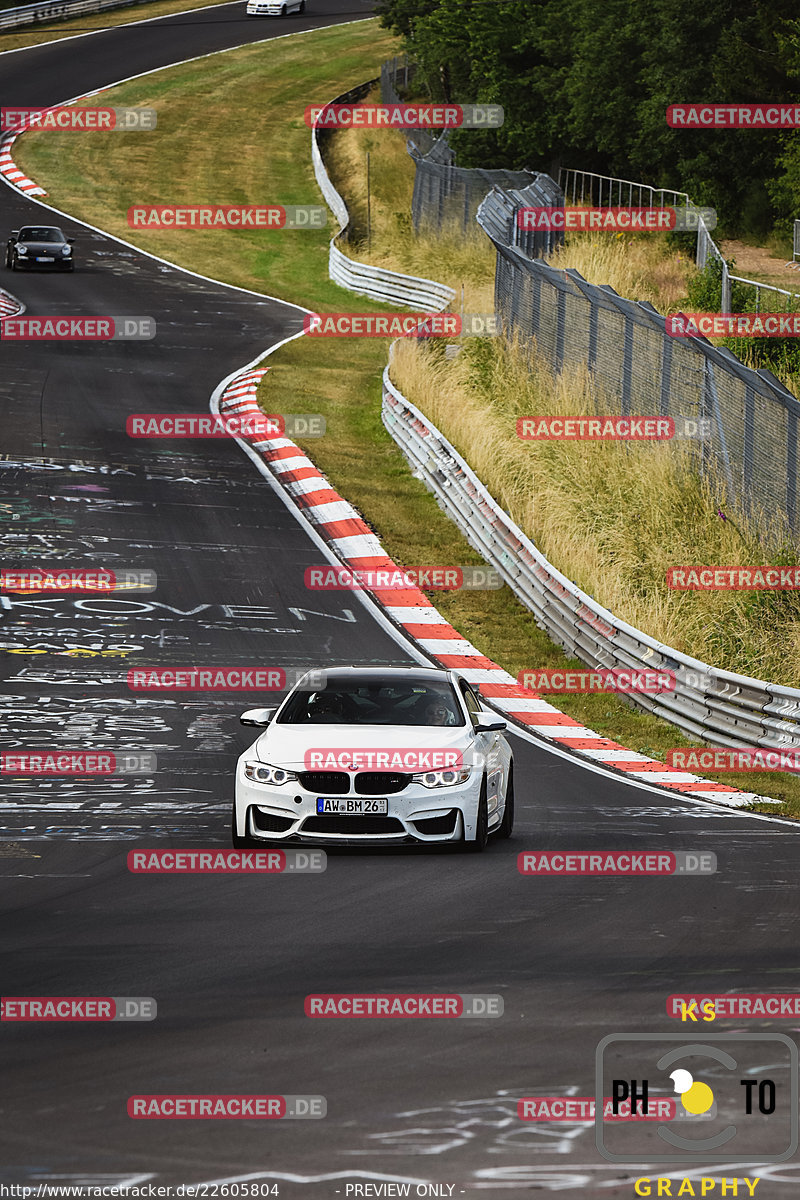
218, 156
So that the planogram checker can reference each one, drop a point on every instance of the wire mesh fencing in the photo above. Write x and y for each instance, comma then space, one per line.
743, 423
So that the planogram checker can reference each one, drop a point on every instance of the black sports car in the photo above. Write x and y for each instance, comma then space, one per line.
39, 246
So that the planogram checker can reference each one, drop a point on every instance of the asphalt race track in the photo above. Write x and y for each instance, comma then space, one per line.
230, 958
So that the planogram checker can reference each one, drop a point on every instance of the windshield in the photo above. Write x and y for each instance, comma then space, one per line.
39, 233
375, 701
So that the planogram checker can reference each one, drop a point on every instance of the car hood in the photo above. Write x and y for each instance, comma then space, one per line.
286, 745
43, 247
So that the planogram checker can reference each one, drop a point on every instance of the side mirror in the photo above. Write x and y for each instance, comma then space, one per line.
70, 240
494, 726
257, 716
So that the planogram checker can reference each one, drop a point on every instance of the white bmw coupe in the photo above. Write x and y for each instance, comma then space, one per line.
375, 755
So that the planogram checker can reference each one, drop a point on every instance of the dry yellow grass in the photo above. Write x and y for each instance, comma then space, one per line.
612, 516
462, 260
641, 267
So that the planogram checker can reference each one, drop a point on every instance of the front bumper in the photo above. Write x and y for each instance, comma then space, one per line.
30, 264
288, 813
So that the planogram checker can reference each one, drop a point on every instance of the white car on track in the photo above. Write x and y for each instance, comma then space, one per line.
375, 755
274, 8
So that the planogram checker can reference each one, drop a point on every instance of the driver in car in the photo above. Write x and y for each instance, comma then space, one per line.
438, 712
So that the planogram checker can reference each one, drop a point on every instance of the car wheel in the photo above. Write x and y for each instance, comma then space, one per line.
482, 826
507, 824
302, 7
239, 843
283, 10
13, 264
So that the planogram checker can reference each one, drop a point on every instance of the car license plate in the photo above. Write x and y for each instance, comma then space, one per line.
45, 258
361, 806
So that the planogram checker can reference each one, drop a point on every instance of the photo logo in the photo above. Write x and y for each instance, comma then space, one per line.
723, 1091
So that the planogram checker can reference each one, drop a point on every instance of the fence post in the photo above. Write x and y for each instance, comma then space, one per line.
726, 289
791, 468
627, 366
711, 384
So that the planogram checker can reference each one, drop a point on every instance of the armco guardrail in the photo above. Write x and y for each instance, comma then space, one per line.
375, 282
55, 10
711, 705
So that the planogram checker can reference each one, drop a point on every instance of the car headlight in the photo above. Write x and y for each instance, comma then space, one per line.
264, 773
22, 249
438, 779
66, 251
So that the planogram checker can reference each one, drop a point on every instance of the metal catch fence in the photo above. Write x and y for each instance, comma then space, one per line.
753, 419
